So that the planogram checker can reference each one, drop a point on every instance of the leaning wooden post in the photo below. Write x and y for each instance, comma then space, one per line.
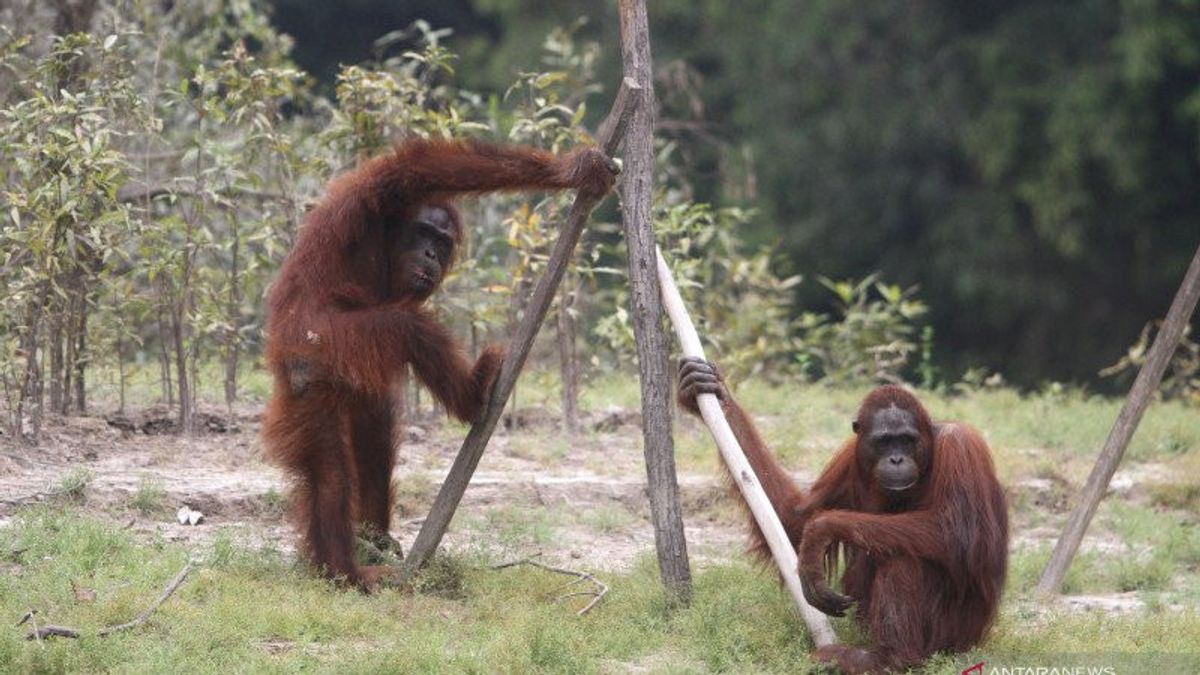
739, 466
612, 131
653, 354
1148, 379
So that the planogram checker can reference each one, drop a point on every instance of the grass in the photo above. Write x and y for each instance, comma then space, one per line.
149, 498
413, 494
248, 608
607, 518
75, 483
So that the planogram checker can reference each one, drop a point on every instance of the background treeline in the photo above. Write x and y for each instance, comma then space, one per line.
157, 162
157, 159
1032, 165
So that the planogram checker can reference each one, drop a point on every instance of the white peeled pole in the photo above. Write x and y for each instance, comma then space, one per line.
739, 467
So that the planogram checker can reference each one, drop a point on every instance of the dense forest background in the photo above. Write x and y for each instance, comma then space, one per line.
946, 193
1032, 165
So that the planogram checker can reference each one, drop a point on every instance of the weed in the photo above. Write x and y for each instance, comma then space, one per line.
75, 483
149, 499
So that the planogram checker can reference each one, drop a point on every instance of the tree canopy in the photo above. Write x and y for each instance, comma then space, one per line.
1032, 166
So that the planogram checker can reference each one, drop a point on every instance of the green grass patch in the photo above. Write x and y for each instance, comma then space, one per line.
75, 483
149, 499
249, 610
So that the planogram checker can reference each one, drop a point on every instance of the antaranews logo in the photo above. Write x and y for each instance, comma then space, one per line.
982, 669
1094, 663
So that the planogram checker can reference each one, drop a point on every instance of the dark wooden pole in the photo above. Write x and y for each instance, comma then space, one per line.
637, 195
1148, 379
612, 131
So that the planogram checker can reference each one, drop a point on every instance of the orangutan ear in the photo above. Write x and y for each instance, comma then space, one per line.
855, 426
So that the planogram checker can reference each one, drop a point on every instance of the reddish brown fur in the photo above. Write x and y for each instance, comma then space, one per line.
346, 324
926, 572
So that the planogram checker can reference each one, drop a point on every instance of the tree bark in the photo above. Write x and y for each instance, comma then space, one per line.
1147, 381
55, 343
80, 356
29, 397
31, 391
178, 312
653, 357
233, 306
69, 322
164, 355
568, 358
120, 370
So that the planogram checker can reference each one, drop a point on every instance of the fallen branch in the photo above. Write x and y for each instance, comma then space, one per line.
739, 467
31, 615
37, 496
580, 577
64, 631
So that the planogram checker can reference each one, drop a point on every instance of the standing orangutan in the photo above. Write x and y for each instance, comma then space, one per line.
348, 318
913, 506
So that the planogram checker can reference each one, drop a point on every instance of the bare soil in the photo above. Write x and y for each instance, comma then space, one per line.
220, 471
588, 492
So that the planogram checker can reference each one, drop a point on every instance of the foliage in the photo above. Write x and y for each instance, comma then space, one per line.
870, 337
146, 213
549, 110
1031, 165
159, 174
737, 301
62, 226
380, 104
1182, 378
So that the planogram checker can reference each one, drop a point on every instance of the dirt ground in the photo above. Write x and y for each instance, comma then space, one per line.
580, 502
220, 471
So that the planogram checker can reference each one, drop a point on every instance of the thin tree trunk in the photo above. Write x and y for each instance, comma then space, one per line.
70, 322
181, 367
29, 398
653, 355
164, 357
120, 372
193, 354
37, 385
185, 347
55, 343
81, 356
568, 357
516, 309
31, 389
164, 360
233, 318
